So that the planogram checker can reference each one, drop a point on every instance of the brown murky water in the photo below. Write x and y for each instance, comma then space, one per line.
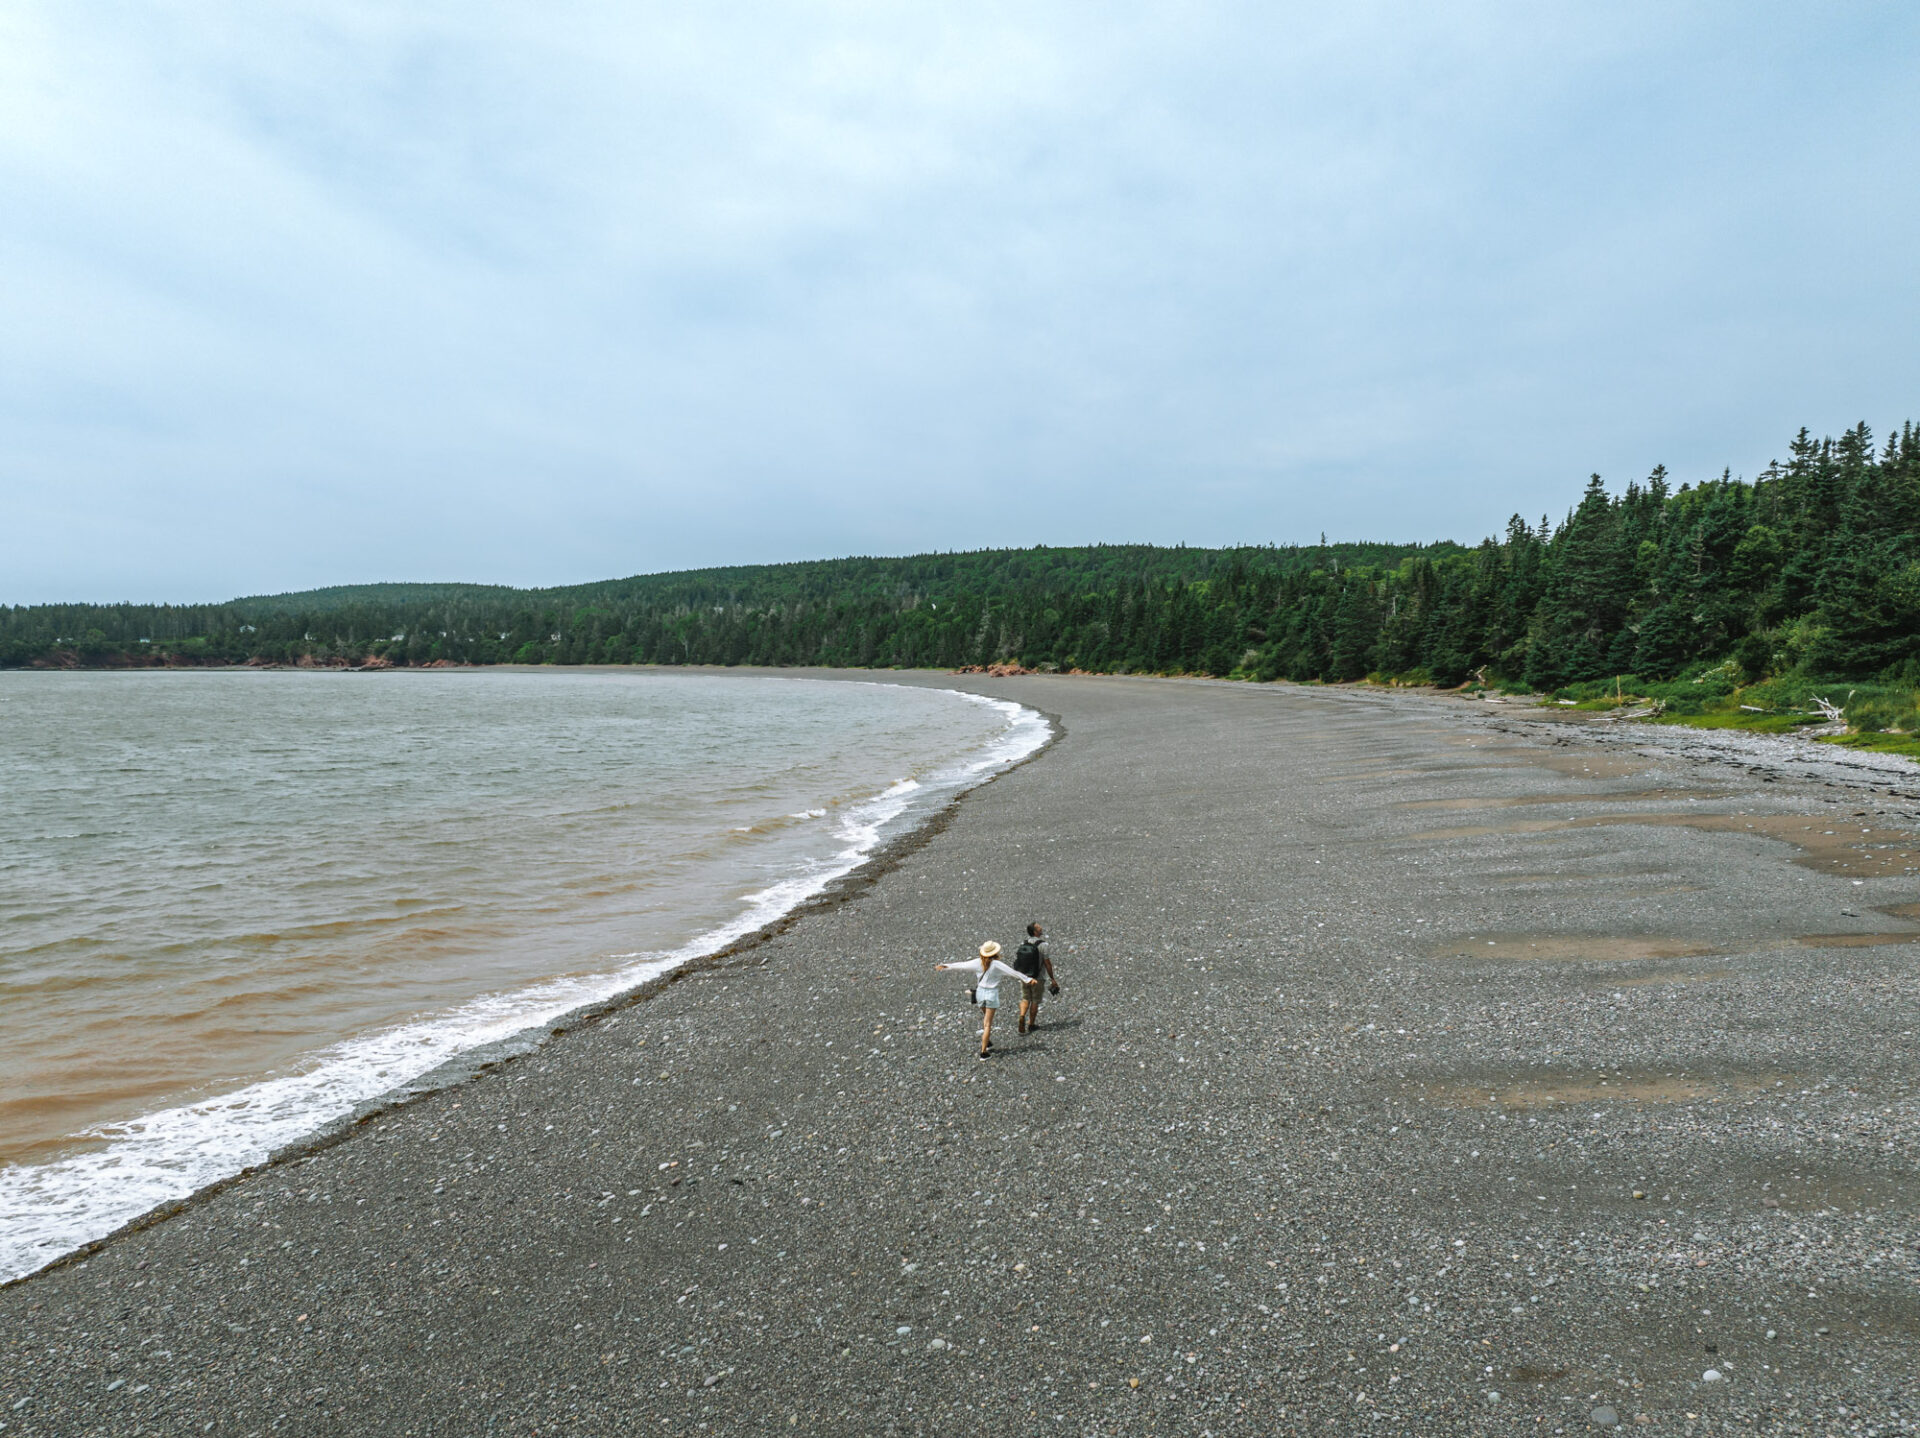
1648, 1087
208, 879
1571, 948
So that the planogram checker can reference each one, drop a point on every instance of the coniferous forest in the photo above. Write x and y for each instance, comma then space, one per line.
1810, 570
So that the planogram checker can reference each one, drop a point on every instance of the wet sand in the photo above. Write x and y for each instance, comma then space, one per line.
1289, 1154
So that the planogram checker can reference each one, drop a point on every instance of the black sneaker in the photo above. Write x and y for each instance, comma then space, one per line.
984, 1053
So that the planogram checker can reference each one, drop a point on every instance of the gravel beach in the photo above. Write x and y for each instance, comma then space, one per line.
1422, 1066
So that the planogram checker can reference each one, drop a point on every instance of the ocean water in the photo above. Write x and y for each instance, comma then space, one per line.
233, 905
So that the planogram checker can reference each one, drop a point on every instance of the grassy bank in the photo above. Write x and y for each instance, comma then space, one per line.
1878, 716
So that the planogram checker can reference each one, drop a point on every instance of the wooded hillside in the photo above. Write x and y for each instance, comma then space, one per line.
1813, 568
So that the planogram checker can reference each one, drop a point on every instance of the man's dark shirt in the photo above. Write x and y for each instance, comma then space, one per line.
1029, 966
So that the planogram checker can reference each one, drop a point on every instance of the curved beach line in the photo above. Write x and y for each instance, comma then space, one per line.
153, 1166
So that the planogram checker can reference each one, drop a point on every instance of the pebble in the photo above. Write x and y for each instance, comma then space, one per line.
1712, 1375
1267, 1145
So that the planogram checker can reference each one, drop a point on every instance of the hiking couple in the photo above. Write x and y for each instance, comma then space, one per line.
1028, 962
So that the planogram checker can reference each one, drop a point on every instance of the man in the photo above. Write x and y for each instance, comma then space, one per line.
1029, 959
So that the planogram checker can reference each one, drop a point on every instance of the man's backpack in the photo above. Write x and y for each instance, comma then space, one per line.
1027, 957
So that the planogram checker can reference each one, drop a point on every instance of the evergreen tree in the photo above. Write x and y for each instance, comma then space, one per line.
1816, 564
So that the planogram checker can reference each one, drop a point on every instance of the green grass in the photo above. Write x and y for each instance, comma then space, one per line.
1715, 697
1881, 743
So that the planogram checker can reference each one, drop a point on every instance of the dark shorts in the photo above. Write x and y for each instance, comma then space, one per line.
1033, 991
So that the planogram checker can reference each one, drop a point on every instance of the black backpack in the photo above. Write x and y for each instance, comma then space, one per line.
1026, 958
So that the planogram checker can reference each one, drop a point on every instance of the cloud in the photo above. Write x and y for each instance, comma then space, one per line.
336, 291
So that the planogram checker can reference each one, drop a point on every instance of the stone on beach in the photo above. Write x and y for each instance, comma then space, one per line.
1236, 876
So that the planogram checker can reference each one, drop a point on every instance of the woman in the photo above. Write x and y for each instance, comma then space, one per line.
986, 987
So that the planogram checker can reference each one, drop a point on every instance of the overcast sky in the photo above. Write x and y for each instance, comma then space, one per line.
322, 291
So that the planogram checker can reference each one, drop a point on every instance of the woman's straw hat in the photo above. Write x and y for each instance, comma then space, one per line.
989, 950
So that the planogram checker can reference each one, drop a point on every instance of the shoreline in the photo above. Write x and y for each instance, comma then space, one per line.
1707, 739
1783, 754
1284, 1156
463, 1065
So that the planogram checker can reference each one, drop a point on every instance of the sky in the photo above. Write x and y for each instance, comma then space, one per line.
326, 292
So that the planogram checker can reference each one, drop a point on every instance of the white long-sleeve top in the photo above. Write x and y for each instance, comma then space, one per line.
986, 985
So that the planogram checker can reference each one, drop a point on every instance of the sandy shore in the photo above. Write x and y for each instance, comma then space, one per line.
1423, 1066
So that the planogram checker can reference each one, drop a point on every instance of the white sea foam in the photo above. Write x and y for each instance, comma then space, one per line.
50, 1209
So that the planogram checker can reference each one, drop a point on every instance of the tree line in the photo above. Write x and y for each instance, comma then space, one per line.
1811, 568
